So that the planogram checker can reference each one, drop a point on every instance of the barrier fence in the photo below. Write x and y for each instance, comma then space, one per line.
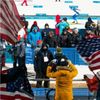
71, 54
81, 93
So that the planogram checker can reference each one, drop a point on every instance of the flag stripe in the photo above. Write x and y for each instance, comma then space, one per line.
10, 22
90, 50
10, 17
14, 96
2, 87
3, 26
95, 61
3, 71
5, 95
94, 56
94, 68
5, 20
13, 12
7, 38
6, 26
96, 64
8, 33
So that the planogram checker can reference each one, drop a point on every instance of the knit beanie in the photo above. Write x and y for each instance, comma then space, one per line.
58, 50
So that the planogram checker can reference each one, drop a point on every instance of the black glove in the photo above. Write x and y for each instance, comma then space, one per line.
53, 64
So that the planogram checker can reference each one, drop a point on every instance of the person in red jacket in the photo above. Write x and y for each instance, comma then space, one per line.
58, 20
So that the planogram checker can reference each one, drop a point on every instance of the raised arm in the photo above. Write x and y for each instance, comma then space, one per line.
73, 70
52, 74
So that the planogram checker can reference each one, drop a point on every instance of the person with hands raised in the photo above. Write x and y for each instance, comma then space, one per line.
64, 74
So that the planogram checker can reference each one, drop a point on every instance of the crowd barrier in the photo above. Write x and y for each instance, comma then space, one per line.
48, 94
71, 54
79, 93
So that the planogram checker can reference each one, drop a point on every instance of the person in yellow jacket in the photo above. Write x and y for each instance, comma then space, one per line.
64, 75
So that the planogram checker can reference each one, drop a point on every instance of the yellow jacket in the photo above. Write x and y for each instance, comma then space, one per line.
63, 82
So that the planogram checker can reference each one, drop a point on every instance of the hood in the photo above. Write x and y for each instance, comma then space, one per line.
35, 22
35, 28
89, 19
44, 44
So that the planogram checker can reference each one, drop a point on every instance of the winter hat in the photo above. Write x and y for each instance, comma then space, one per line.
46, 24
63, 63
89, 19
39, 42
65, 19
75, 29
58, 50
35, 22
43, 45
58, 18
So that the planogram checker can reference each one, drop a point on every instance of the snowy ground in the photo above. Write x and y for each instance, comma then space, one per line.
47, 8
50, 7
77, 82
82, 69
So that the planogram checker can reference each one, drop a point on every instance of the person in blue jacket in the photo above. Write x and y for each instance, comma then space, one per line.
63, 25
33, 37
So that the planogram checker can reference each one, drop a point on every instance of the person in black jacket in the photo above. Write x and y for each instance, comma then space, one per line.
42, 58
76, 37
45, 31
65, 39
58, 55
90, 25
51, 39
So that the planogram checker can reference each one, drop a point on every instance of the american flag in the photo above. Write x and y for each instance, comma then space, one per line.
10, 22
90, 50
5, 95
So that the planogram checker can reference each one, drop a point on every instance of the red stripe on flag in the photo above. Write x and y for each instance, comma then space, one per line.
5, 95
13, 12
3, 26
5, 21
10, 16
10, 22
14, 96
14, 18
94, 68
6, 37
88, 59
3, 71
3, 87
6, 26
94, 60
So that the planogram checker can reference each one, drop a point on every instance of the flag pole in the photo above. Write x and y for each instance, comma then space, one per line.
95, 75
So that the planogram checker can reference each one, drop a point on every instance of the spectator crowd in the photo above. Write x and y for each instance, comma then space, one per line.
40, 41
65, 36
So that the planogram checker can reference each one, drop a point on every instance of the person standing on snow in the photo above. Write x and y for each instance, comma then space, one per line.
66, 71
